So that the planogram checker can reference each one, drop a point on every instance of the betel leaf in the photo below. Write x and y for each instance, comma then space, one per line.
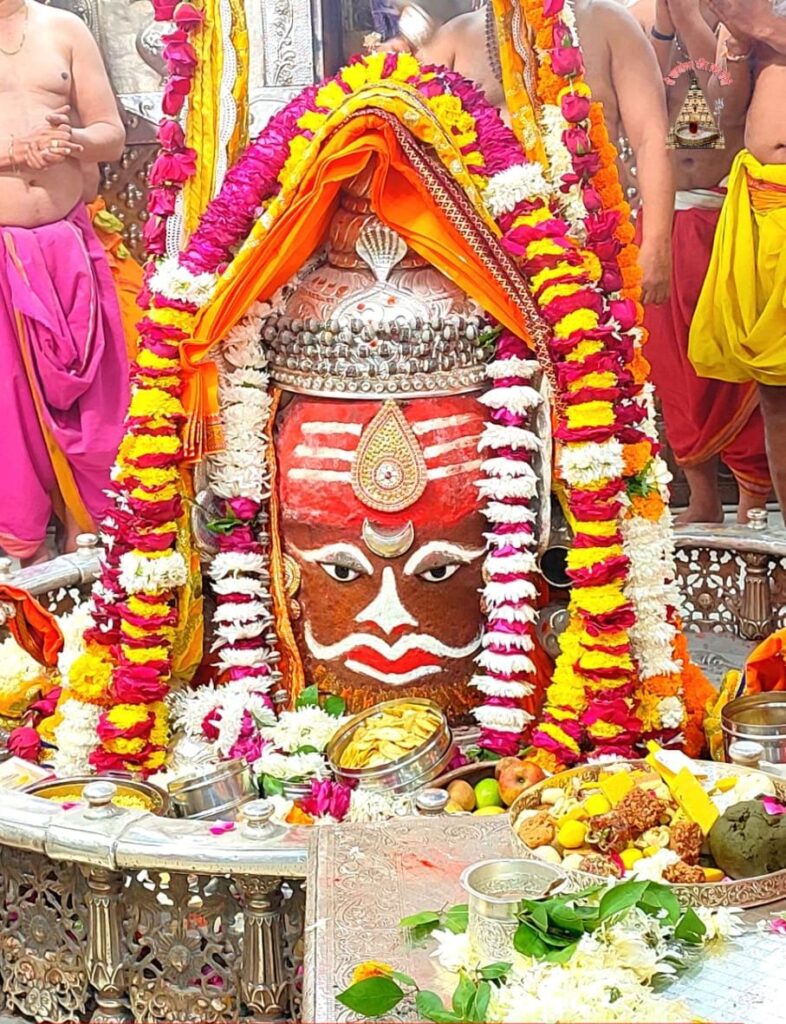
561, 956
536, 914
431, 1007
621, 897
528, 941
456, 919
372, 997
335, 706
308, 698
691, 928
403, 979
416, 920
495, 972
271, 786
565, 918
464, 996
661, 898
478, 1010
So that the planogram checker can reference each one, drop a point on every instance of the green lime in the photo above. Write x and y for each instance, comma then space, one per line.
487, 793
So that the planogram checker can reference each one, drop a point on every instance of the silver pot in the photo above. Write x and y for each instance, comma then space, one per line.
759, 718
496, 889
213, 792
407, 774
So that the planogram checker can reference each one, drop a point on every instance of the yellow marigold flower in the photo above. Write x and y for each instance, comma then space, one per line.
123, 746
589, 642
575, 88
166, 633
649, 714
578, 320
594, 380
126, 716
547, 761
552, 273
155, 760
164, 383
557, 291
583, 558
584, 349
592, 266
591, 661
46, 728
590, 414
533, 217
330, 96
134, 446
90, 676
311, 121
604, 730
164, 494
355, 76
172, 318
550, 729
154, 402
143, 655
151, 361
148, 611
406, 67
599, 600
371, 969
601, 528
375, 62
544, 247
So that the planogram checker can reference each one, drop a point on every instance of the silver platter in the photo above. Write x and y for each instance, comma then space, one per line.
745, 892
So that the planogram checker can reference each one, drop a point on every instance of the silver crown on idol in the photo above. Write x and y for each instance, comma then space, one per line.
375, 321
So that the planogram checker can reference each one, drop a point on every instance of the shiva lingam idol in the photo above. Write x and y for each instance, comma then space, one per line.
381, 359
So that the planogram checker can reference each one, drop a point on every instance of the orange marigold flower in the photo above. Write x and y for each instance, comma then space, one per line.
650, 508
640, 368
636, 457
371, 969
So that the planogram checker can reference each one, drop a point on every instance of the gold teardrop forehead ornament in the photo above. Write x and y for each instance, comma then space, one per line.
389, 472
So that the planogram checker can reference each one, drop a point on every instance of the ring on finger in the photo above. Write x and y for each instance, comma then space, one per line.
55, 144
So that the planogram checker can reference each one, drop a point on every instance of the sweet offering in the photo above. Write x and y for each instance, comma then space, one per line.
645, 821
389, 735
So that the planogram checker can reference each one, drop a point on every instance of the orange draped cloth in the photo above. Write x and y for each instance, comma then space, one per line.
33, 627
126, 272
765, 669
400, 199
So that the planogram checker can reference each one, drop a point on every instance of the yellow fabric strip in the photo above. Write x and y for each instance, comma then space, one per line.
739, 327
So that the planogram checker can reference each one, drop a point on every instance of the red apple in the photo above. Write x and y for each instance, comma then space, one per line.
515, 778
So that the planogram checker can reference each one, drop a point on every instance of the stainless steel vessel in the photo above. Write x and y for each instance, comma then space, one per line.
213, 791
758, 718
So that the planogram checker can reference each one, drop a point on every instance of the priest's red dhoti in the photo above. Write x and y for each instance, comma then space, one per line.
703, 418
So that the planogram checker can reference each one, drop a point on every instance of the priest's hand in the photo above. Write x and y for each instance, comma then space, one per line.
745, 19
655, 261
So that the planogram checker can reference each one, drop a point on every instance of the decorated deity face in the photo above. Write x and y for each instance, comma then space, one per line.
381, 521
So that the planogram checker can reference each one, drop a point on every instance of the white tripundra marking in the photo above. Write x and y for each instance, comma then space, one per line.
304, 451
433, 451
442, 423
441, 472
355, 429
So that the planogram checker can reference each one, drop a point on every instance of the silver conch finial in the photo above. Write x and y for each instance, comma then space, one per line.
381, 249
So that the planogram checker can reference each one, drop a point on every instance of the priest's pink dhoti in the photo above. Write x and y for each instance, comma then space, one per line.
64, 370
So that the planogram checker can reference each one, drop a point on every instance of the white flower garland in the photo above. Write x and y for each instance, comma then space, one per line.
178, 283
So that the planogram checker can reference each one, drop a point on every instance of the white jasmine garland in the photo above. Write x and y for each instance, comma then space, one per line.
490, 716
519, 398
228, 563
497, 594
513, 366
521, 562
174, 281
493, 687
496, 436
520, 641
587, 462
140, 574
508, 188
306, 727
671, 712
511, 487
290, 767
514, 540
243, 612
497, 512
505, 468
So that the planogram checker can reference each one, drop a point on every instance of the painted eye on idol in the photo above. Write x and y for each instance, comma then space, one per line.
439, 573
340, 573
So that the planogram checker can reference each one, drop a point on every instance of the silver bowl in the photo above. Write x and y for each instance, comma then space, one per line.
414, 770
759, 718
70, 789
213, 791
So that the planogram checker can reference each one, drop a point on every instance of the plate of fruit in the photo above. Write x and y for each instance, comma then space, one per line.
488, 788
715, 832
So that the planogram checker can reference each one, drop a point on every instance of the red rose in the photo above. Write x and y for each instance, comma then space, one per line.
567, 61
188, 17
171, 135
25, 742
577, 141
624, 312
575, 108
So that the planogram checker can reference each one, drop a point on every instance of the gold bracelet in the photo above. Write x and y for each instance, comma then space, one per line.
739, 58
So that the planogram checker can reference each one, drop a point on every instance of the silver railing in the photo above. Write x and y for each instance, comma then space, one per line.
117, 915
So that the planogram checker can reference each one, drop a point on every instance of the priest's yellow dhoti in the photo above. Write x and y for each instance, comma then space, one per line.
739, 327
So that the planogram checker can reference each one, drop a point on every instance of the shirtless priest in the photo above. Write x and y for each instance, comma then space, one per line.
739, 328
62, 354
623, 74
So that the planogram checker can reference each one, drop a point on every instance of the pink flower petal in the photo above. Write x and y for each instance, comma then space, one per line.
221, 827
779, 926
772, 806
